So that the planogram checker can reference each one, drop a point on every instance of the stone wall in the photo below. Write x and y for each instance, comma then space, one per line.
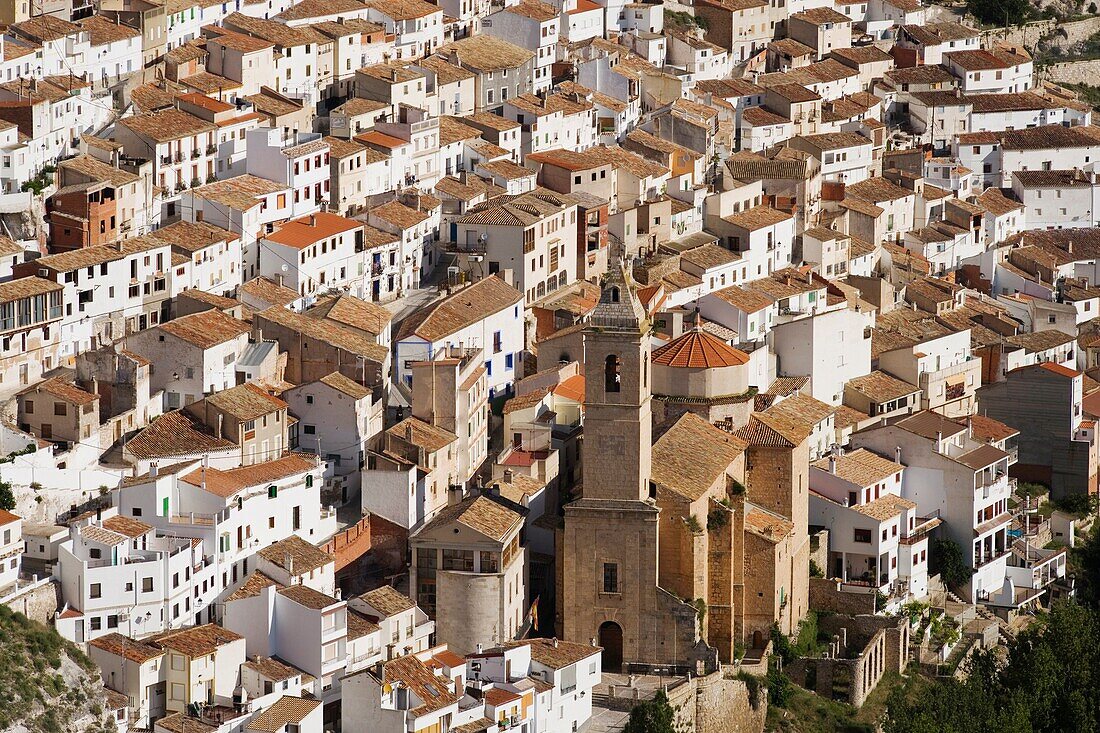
716, 704
872, 645
819, 552
1074, 72
826, 595
1029, 34
39, 604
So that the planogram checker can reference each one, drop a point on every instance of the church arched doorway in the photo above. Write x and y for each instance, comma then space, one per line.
611, 639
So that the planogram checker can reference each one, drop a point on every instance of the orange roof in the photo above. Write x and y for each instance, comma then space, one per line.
697, 349
572, 388
1059, 369
7, 517
381, 138
584, 6
201, 100
304, 231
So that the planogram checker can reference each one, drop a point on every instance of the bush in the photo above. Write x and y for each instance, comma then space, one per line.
779, 686
781, 645
651, 716
948, 561
815, 570
7, 496
1080, 505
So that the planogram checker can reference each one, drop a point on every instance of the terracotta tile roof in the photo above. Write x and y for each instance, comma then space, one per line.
128, 526
481, 514
245, 402
286, 710
269, 291
766, 525
445, 72
242, 193
349, 311
821, 16
345, 385
434, 692
860, 467
388, 601
308, 230
1051, 136
416, 432
359, 625
327, 331
484, 52
763, 117
982, 457
175, 434
167, 125
497, 696
460, 310
227, 482
206, 329
697, 349
121, 646
988, 430
272, 668
405, 9
251, 588
836, 140
519, 488
102, 31
295, 555
571, 388
533, 9
757, 218
692, 456
63, 390
399, 215
744, 299
305, 596
197, 641
933, 34
882, 509
507, 170
555, 653
45, 28
879, 386
927, 424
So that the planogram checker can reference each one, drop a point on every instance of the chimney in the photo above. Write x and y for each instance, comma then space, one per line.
554, 641
221, 418
939, 441
507, 475
969, 426
478, 649
409, 433
154, 469
313, 220
897, 454
288, 561
832, 464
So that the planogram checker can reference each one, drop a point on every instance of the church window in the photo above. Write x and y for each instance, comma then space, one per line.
610, 577
611, 373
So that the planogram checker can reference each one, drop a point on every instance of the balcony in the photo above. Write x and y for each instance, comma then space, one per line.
921, 530
984, 559
211, 149
178, 157
195, 153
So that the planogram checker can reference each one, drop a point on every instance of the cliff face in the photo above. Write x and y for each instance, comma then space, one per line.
46, 683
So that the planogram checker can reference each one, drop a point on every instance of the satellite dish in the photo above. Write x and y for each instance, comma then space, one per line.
286, 268
484, 237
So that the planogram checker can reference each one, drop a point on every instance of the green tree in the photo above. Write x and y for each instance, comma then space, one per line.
7, 498
999, 12
651, 716
1049, 682
1084, 563
948, 561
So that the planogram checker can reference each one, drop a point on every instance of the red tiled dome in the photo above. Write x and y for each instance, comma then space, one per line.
697, 349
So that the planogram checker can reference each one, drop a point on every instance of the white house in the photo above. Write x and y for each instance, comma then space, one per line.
487, 315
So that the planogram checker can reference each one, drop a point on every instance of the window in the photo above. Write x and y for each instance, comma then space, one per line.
95, 591
95, 553
462, 560
862, 535
146, 585
59, 408
612, 366
610, 577
272, 491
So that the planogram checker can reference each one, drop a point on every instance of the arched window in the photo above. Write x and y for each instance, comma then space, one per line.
645, 371
309, 481
614, 295
611, 373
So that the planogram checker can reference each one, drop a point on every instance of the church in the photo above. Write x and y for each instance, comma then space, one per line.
687, 543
